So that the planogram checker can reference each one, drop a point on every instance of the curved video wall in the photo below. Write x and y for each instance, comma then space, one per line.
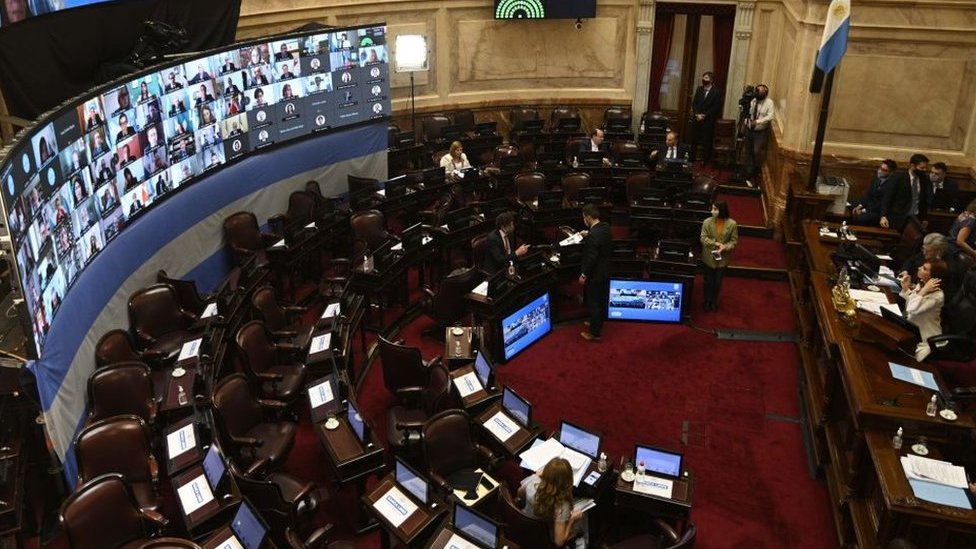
71, 183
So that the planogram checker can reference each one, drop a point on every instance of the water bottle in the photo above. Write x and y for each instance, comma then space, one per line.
932, 407
640, 468
511, 269
602, 464
367, 263
181, 396
897, 440
843, 230
457, 346
642, 126
575, 162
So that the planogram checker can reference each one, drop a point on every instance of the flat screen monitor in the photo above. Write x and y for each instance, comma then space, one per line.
485, 128
396, 187
411, 480
618, 124
214, 467
646, 300
591, 158
482, 368
533, 125
658, 461
248, 527
516, 406
322, 396
568, 124
579, 439
526, 325
357, 423
476, 527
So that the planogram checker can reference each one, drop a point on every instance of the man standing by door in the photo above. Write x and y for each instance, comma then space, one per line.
705, 109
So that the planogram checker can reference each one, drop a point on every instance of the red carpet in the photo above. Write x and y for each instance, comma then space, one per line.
759, 252
745, 210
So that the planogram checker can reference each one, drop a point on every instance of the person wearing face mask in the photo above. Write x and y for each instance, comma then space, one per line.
705, 110
719, 236
867, 210
761, 114
906, 194
942, 193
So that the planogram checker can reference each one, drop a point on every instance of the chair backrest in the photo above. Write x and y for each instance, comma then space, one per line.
687, 540
910, 243
155, 311
560, 113
119, 444
236, 409
528, 185
186, 292
449, 304
256, 350
617, 113
624, 151
464, 118
121, 388
724, 131
402, 366
437, 395
573, 145
447, 441
301, 208
521, 528
432, 125
369, 226
635, 184
479, 246
571, 183
102, 513
362, 184
265, 495
312, 187
505, 150
266, 303
116, 346
169, 543
519, 115
243, 233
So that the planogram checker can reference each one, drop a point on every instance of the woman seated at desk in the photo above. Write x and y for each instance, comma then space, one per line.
923, 302
549, 496
962, 237
455, 160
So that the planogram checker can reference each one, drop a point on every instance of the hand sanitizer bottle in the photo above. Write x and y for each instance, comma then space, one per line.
896, 441
932, 407
511, 269
601, 465
181, 396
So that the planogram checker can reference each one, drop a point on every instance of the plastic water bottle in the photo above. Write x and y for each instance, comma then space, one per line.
181, 396
896, 441
511, 269
843, 230
602, 464
575, 162
932, 407
640, 468
457, 346
367, 263
642, 126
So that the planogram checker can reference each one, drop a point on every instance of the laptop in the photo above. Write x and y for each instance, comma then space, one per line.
475, 527
579, 439
517, 407
590, 158
411, 481
483, 369
248, 530
406, 139
658, 462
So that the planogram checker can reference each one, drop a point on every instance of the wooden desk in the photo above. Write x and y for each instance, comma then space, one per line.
191, 455
678, 506
446, 532
461, 348
220, 538
207, 518
416, 529
514, 444
350, 461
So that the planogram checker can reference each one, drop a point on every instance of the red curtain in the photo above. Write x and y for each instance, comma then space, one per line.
722, 30
663, 31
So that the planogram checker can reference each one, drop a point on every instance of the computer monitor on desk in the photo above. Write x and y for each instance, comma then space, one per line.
532, 126
358, 424
525, 326
411, 480
674, 166
451, 132
657, 461
214, 468
579, 439
405, 140
484, 370
247, 528
591, 158
517, 407
593, 195
475, 527
568, 125
433, 176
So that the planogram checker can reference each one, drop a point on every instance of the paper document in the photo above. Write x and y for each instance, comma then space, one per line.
230, 543
310, 225
190, 349
883, 257
934, 470
457, 542
395, 507
467, 384
320, 343
540, 454
875, 308
279, 244
195, 494
332, 310
828, 232
574, 238
579, 462
885, 270
321, 394
481, 289
397, 247
941, 494
655, 486
583, 504
869, 296
209, 311
180, 441
913, 376
501, 426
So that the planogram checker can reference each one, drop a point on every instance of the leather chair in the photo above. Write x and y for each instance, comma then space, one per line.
301, 211
283, 321
508, 151
517, 117
431, 127
362, 192
571, 183
324, 205
404, 368
335, 276
618, 117
723, 144
282, 499
521, 528
369, 226
405, 421
479, 247
253, 439
314, 540
121, 388
464, 119
573, 145
448, 305
245, 238
103, 501
564, 113
270, 365
668, 538
628, 153
635, 184
159, 323
910, 242
121, 444
528, 185
169, 543
117, 346
449, 447
186, 293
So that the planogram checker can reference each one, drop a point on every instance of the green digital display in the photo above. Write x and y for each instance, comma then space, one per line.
520, 9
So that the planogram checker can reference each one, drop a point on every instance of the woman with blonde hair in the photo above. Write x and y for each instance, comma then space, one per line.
455, 160
549, 496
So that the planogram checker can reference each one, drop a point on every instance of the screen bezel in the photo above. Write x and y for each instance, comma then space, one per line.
480, 355
214, 451
528, 416
682, 311
246, 506
479, 516
599, 438
681, 459
397, 463
528, 305
361, 434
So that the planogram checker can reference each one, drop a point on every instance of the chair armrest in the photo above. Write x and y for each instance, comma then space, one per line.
433, 362
271, 404
268, 376
247, 442
144, 337
156, 518
317, 539
189, 317
409, 393
154, 470
150, 355
939, 341
295, 309
283, 334
667, 531
255, 466
964, 393
440, 481
490, 458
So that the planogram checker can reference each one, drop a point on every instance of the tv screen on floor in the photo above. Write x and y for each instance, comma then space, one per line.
646, 300
526, 325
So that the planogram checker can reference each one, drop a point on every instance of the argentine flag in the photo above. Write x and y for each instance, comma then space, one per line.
834, 41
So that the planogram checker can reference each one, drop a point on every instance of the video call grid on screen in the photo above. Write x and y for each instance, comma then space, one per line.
526, 325
71, 183
645, 300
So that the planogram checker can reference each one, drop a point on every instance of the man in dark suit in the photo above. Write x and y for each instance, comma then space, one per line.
500, 246
595, 271
595, 143
907, 194
705, 110
943, 189
867, 209
670, 150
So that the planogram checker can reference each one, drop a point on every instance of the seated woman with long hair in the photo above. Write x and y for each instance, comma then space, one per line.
549, 496
923, 302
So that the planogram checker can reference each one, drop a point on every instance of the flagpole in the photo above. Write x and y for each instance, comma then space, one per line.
821, 131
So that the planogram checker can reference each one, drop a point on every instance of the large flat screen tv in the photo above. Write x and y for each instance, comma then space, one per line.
646, 300
526, 325
545, 9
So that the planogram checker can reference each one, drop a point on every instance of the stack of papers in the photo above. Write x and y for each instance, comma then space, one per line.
536, 457
936, 481
575, 238
481, 289
583, 504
